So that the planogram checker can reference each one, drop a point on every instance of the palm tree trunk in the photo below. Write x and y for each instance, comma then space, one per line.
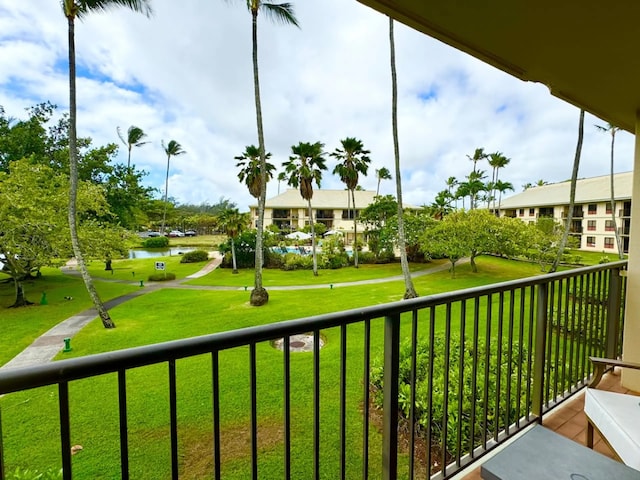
378, 187
233, 257
129, 158
410, 291
613, 198
259, 295
355, 230
313, 241
572, 194
166, 192
73, 184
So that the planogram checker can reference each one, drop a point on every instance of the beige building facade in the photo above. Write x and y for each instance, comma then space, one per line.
333, 208
592, 221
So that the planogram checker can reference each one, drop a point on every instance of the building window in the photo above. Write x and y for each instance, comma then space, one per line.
608, 242
609, 226
521, 212
532, 212
608, 208
591, 241
593, 209
591, 225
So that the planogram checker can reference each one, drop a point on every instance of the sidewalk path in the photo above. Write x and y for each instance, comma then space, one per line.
47, 346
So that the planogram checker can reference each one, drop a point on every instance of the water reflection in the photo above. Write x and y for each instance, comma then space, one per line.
158, 252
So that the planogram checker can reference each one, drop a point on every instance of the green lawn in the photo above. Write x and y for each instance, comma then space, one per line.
30, 428
134, 270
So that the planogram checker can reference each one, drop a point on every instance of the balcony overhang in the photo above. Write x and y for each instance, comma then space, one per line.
584, 52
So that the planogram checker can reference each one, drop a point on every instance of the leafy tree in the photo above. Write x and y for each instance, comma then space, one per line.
303, 168
448, 238
353, 160
409, 289
382, 174
249, 164
375, 216
73, 9
612, 129
572, 193
135, 136
283, 13
172, 149
127, 196
233, 223
34, 231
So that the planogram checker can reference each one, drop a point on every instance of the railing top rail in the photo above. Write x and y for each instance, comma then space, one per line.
109, 362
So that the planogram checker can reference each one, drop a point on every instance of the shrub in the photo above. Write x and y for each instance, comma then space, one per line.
156, 242
51, 474
495, 413
293, 261
162, 277
604, 259
195, 256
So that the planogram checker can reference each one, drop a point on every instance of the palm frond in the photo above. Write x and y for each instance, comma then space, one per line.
280, 12
83, 7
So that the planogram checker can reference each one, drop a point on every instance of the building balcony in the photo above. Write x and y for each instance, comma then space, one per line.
425, 385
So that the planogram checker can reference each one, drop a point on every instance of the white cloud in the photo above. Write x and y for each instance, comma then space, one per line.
186, 74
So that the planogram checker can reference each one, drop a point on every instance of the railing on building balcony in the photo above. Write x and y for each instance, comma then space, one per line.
408, 388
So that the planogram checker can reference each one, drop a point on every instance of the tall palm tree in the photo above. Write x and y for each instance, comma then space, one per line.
172, 149
283, 13
232, 223
134, 139
353, 160
572, 194
73, 9
497, 161
282, 176
475, 185
249, 163
303, 168
477, 156
409, 289
382, 174
613, 130
502, 187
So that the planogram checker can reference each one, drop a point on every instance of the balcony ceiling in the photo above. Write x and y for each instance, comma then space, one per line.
585, 52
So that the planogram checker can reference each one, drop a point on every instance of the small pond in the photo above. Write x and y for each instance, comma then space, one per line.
158, 252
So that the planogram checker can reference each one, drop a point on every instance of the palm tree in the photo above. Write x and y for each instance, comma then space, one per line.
572, 194
475, 185
249, 163
303, 168
382, 174
477, 156
409, 289
502, 187
613, 130
73, 9
232, 223
497, 161
134, 139
172, 149
441, 205
354, 160
282, 176
283, 13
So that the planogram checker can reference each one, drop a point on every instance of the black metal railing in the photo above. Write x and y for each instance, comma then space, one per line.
403, 390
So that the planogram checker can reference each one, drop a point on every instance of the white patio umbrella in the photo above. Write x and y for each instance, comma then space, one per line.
298, 236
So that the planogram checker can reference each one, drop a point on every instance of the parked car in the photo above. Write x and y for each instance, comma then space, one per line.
176, 233
154, 234
190, 233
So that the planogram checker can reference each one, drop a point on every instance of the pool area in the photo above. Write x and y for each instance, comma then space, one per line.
159, 252
293, 249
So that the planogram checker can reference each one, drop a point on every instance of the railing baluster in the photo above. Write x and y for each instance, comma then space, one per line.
445, 386
510, 362
432, 328
498, 398
557, 338
550, 318
286, 345
571, 288
613, 313
343, 401
539, 362
215, 392
412, 409
521, 314
316, 405
461, 359
532, 318
254, 411
367, 377
124, 435
474, 378
566, 338
65, 429
390, 402
487, 371
173, 411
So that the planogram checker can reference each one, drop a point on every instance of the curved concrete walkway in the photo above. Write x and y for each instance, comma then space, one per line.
49, 344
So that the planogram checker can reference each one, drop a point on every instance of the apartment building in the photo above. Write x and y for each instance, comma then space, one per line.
333, 208
592, 220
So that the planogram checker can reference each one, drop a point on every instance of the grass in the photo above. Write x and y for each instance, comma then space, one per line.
134, 270
29, 420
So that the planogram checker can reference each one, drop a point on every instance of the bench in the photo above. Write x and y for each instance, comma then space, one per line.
615, 416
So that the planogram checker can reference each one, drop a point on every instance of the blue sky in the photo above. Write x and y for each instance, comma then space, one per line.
185, 74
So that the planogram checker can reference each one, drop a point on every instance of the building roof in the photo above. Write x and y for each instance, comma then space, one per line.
582, 51
322, 199
588, 190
